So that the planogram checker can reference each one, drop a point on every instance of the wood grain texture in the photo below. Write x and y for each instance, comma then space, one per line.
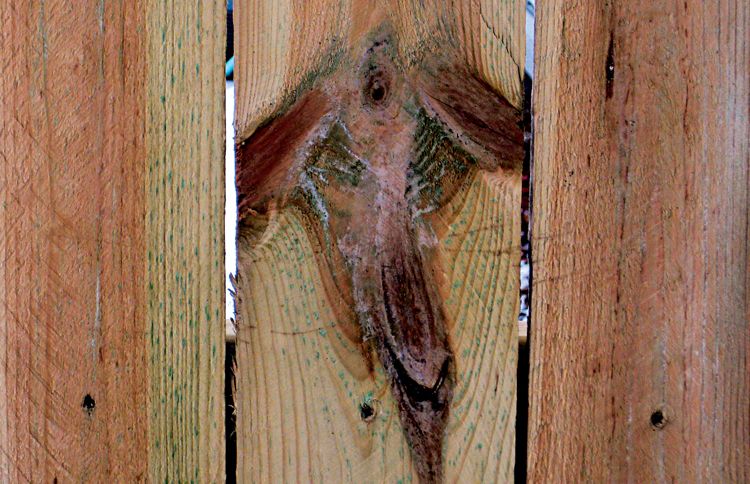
355, 112
71, 244
489, 35
184, 239
283, 45
640, 344
302, 380
95, 385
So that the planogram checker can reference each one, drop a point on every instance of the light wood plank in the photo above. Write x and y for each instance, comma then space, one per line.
185, 239
283, 45
314, 400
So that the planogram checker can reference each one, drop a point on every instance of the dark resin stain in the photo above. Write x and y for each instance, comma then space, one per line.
368, 153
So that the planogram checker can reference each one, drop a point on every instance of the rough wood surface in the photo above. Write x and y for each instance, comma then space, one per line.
110, 277
640, 356
185, 239
283, 45
378, 247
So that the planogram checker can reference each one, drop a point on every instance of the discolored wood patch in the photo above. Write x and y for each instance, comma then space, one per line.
367, 159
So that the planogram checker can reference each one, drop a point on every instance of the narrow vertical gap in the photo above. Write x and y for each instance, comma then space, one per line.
230, 223
230, 209
522, 413
522, 378
230, 415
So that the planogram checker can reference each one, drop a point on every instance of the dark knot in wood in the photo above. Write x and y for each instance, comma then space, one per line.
378, 76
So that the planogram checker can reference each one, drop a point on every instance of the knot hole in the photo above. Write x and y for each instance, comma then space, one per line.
88, 404
658, 420
377, 85
377, 93
368, 410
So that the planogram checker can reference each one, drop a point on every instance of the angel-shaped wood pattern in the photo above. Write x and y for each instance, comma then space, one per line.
378, 271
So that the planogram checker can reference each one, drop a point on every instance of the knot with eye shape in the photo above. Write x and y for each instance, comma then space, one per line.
377, 84
377, 73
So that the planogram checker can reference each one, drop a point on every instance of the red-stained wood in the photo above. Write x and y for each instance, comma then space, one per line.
72, 308
640, 331
110, 276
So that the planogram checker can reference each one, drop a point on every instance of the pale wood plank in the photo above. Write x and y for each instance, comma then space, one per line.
304, 379
184, 183
304, 372
282, 45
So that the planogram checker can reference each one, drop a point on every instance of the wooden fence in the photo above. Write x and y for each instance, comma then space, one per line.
379, 162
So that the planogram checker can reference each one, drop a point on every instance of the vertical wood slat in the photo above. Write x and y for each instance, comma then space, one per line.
71, 244
185, 238
640, 339
111, 268
301, 374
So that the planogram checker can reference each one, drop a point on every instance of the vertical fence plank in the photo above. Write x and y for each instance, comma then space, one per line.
640, 338
73, 394
185, 238
314, 399
110, 267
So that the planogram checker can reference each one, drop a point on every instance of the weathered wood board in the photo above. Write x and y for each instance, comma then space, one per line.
111, 256
379, 178
640, 339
